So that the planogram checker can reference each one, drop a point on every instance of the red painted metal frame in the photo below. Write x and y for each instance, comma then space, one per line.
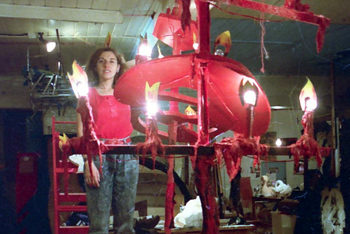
204, 165
61, 169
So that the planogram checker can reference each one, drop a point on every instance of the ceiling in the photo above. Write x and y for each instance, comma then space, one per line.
80, 26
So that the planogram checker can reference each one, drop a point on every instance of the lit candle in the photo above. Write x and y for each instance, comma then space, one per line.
144, 51
79, 83
307, 146
224, 39
308, 103
78, 80
151, 96
249, 96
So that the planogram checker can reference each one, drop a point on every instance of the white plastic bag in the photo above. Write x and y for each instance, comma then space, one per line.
191, 215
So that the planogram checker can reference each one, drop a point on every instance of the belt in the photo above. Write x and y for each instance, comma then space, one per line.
116, 141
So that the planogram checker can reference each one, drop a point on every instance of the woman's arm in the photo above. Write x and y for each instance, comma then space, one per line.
89, 180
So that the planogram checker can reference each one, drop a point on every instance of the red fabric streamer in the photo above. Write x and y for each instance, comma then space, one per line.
308, 123
170, 192
307, 146
262, 45
93, 146
232, 150
152, 142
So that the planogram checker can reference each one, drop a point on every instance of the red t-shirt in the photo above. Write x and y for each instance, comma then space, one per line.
112, 118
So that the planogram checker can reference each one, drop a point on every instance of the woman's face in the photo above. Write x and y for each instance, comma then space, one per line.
107, 66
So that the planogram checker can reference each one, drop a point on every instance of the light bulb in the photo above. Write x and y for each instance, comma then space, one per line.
145, 50
310, 104
278, 142
152, 109
50, 46
82, 89
250, 97
219, 52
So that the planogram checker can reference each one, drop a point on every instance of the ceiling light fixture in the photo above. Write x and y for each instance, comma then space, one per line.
50, 45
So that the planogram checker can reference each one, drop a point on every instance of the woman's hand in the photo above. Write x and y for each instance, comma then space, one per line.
90, 180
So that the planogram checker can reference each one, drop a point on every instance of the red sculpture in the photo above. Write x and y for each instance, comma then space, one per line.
220, 84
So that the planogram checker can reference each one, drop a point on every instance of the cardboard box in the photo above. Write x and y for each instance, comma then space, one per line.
282, 223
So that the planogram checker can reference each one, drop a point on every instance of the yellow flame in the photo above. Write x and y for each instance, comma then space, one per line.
190, 111
224, 39
62, 140
152, 92
307, 97
151, 99
108, 40
249, 80
194, 38
78, 79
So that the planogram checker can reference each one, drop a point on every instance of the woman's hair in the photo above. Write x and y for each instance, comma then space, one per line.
91, 67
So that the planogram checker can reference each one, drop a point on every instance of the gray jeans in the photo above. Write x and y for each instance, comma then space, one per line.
117, 189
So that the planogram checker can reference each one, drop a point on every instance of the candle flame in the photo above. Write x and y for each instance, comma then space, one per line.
151, 96
224, 39
190, 111
307, 97
195, 41
250, 81
62, 140
78, 80
152, 91
108, 40
144, 48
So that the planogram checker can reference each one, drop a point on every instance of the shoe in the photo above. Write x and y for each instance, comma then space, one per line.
236, 221
147, 222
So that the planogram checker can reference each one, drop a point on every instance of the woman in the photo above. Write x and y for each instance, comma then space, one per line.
116, 186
